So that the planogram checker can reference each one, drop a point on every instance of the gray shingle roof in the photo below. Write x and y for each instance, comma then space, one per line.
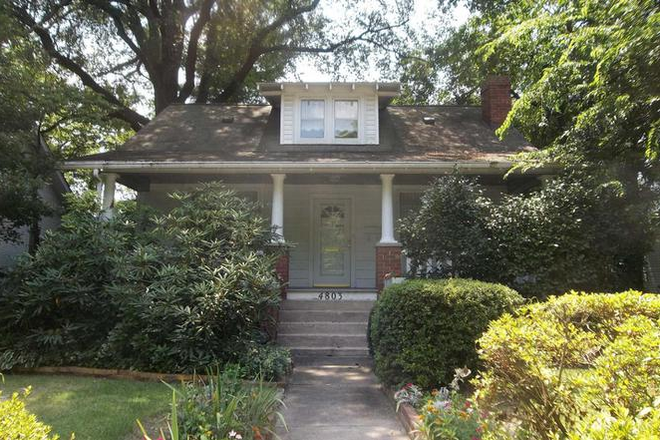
192, 132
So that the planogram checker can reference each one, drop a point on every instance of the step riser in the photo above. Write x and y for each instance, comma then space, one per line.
323, 316
345, 296
339, 341
323, 327
327, 305
338, 352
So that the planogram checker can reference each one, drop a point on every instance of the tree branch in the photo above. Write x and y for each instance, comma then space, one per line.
193, 45
135, 119
256, 48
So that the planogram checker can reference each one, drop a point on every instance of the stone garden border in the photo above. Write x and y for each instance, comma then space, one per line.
405, 413
121, 374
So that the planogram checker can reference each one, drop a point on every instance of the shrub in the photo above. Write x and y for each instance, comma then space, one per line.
421, 330
197, 293
178, 292
570, 234
450, 230
54, 308
268, 361
16, 423
574, 364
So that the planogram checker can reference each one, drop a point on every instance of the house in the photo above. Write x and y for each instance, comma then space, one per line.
335, 165
53, 194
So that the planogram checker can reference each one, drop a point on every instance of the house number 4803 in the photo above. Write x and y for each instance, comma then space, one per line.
330, 296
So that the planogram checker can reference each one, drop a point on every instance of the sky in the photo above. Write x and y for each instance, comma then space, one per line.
425, 15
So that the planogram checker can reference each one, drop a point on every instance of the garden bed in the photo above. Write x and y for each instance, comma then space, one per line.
405, 413
120, 374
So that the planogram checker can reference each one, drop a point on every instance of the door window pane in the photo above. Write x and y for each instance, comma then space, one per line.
312, 119
346, 119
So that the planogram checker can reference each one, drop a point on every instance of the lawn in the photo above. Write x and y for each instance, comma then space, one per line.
93, 409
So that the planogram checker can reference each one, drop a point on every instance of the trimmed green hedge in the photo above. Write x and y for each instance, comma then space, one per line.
421, 330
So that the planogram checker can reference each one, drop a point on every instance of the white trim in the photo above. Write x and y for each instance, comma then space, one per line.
329, 119
108, 196
233, 167
387, 210
277, 208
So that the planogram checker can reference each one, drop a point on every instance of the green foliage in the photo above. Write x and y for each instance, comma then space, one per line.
421, 330
42, 118
268, 361
174, 292
89, 407
16, 423
224, 405
450, 230
449, 417
569, 234
198, 290
575, 366
54, 308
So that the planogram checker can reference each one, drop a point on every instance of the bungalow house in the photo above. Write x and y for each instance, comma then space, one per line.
335, 166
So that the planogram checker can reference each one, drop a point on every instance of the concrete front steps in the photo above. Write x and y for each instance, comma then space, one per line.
319, 328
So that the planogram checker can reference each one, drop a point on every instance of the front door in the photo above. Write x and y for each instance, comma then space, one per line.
332, 243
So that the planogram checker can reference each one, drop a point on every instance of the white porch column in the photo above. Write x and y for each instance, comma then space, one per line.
387, 211
277, 216
108, 195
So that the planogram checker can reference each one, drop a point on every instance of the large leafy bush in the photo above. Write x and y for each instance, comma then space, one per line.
576, 366
450, 230
422, 330
184, 290
54, 306
198, 290
570, 234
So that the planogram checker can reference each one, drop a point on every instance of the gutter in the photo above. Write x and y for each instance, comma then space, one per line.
244, 167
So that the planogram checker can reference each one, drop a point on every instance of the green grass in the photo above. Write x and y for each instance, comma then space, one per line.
93, 409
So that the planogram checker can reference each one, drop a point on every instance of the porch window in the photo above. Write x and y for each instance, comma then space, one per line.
346, 119
312, 119
409, 202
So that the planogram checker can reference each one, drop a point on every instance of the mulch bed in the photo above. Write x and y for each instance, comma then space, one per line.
121, 374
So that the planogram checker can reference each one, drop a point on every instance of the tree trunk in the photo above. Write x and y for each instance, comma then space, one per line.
34, 236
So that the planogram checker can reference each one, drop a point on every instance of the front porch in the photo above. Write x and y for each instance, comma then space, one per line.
338, 229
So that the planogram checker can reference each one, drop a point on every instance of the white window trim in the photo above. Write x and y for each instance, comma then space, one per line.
329, 127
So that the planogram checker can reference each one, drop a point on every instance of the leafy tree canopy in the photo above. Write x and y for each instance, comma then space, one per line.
587, 73
202, 50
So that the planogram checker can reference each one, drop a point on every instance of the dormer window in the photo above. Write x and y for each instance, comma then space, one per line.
342, 126
321, 114
312, 119
346, 119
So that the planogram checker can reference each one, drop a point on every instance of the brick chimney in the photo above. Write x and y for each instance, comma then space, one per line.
495, 99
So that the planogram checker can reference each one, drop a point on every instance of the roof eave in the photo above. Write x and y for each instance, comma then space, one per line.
239, 167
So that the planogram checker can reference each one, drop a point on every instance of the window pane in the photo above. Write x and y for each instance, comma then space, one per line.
346, 119
312, 118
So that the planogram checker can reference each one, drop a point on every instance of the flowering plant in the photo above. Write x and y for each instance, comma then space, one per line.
448, 415
409, 393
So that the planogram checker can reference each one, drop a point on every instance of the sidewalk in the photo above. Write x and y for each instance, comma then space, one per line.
337, 399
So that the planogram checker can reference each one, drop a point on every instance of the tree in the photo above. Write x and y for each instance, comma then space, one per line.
587, 75
217, 47
43, 118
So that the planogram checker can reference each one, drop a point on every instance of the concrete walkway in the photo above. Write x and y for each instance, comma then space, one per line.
337, 399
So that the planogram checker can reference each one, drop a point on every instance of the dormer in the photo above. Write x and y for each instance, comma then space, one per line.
333, 113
